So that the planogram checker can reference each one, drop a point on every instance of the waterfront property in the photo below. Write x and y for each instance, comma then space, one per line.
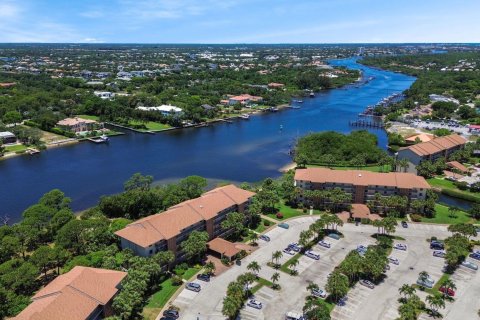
78, 125
165, 110
441, 147
244, 99
7, 137
362, 185
80, 294
167, 230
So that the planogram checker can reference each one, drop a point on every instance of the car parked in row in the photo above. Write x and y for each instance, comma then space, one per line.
393, 260
437, 245
367, 284
470, 265
400, 246
319, 293
289, 251
204, 277
171, 313
475, 256
439, 253
334, 236
284, 225
447, 291
192, 286
295, 247
254, 304
425, 284
324, 244
312, 254
404, 224
264, 238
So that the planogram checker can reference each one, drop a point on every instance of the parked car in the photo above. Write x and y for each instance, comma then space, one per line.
167, 318
400, 246
295, 247
312, 254
333, 236
254, 304
284, 225
319, 293
367, 284
404, 224
447, 291
264, 237
204, 277
470, 265
361, 247
324, 244
425, 284
171, 313
393, 260
293, 315
193, 286
289, 251
475, 256
437, 245
342, 301
439, 253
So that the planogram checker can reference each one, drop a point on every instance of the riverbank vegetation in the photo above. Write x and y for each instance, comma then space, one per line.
356, 149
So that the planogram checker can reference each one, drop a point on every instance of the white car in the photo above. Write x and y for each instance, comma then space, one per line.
470, 265
400, 246
393, 260
289, 251
439, 253
324, 244
254, 304
319, 293
312, 254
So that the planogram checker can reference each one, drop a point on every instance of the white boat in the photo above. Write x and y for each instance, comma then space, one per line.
295, 107
245, 116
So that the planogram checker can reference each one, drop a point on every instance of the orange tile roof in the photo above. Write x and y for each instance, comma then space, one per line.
223, 247
457, 165
423, 137
360, 211
74, 295
437, 145
362, 178
168, 224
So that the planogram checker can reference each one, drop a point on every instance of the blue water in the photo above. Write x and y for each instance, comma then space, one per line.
243, 151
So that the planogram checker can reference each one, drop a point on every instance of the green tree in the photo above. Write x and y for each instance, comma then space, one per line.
164, 259
235, 221
209, 267
138, 181
337, 285
435, 303
42, 258
195, 245
407, 290
55, 199
12, 117
277, 255
315, 309
254, 267
275, 277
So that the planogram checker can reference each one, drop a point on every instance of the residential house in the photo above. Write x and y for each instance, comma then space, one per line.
244, 99
274, 85
78, 125
165, 110
80, 294
362, 185
167, 230
7, 137
104, 94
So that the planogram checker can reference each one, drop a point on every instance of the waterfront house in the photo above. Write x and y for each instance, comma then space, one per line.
78, 125
165, 110
362, 185
80, 294
441, 147
166, 230
244, 99
7, 137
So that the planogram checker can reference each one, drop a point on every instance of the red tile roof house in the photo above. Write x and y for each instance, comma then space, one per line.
81, 294
362, 185
166, 230
244, 99
77, 125
432, 150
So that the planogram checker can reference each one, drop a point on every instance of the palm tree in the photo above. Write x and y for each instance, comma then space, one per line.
449, 285
277, 255
275, 277
210, 267
294, 265
312, 286
435, 303
254, 267
423, 276
404, 164
407, 290
305, 237
254, 238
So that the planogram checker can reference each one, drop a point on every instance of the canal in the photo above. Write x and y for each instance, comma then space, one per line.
246, 150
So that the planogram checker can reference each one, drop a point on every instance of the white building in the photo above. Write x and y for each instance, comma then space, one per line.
164, 109
104, 94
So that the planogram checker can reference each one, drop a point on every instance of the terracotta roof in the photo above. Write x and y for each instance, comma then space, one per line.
74, 295
223, 247
360, 211
423, 137
437, 145
457, 165
168, 224
362, 178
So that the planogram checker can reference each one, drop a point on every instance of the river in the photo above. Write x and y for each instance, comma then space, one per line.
246, 150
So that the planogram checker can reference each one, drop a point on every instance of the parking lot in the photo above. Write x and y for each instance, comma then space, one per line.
363, 303
431, 125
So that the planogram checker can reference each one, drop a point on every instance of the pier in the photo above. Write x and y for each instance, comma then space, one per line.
366, 124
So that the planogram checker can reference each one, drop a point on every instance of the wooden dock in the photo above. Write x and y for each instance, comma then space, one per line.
367, 124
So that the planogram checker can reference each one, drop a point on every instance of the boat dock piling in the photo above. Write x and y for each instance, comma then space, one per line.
366, 124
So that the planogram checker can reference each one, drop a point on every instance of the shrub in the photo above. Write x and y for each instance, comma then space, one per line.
365, 221
266, 223
225, 261
416, 217
279, 215
304, 210
462, 185
177, 280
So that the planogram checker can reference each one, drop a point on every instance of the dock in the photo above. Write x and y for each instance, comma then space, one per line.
32, 151
367, 124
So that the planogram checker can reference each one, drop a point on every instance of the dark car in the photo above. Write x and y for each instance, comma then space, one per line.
171, 313
475, 256
264, 238
204, 277
404, 224
167, 318
436, 245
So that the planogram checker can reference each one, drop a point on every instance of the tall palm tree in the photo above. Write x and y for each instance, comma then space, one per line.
423, 276
254, 267
277, 255
294, 265
254, 238
305, 237
435, 302
407, 290
404, 164
275, 277
449, 285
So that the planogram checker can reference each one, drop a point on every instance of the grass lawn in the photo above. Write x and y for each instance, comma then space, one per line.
366, 168
262, 227
158, 300
442, 216
190, 272
260, 283
285, 267
289, 212
88, 117
449, 186
434, 291
151, 126
16, 148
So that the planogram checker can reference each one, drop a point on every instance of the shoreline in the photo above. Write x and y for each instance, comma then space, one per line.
288, 167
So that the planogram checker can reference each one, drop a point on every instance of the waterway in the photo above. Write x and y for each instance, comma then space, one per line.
246, 150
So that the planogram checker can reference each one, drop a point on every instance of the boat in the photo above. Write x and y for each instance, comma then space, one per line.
102, 139
312, 95
273, 109
245, 116
298, 101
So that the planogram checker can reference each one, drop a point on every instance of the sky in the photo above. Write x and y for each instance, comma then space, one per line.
239, 21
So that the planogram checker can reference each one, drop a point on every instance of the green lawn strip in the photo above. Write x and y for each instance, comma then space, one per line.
190, 272
16, 148
261, 282
88, 117
161, 297
289, 212
151, 126
435, 290
285, 267
449, 188
443, 216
